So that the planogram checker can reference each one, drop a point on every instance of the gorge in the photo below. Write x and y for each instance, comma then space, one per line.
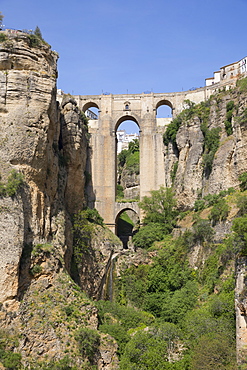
57, 254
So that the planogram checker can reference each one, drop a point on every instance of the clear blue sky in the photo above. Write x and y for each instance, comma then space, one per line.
135, 45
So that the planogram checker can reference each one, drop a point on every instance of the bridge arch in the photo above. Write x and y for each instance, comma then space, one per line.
127, 117
89, 105
164, 102
164, 109
127, 222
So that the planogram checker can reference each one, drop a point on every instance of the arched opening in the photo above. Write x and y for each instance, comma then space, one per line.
127, 159
164, 109
127, 222
91, 110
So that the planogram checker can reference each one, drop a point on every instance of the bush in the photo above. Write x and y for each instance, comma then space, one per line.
242, 204
120, 192
174, 171
211, 145
89, 341
199, 205
243, 181
171, 131
3, 37
148, 234
159, 207
144, 351
242, 84
133, 163
203, 232
219, 212
214, 351
13, 185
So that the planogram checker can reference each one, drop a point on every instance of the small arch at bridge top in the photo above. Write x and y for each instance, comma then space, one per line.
127, 224
164, 109
91, 110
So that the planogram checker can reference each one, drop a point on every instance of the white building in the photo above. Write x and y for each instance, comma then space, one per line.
229, 72
123, 140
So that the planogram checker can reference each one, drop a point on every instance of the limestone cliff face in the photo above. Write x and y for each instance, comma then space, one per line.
47, 143
29, 127
229, 160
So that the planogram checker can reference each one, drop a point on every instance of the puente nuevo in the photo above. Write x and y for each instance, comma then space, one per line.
140, 108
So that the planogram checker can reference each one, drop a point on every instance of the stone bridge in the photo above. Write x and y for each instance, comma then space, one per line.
102, 165
124, 206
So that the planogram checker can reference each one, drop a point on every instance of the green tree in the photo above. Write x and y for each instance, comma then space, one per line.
38, 33
203, 232
145, 351
219, 212
1, 20
149, 234
160, 208
242, 204
133, 146
243, 181
89, 341
214, 351
239, 226
122, 157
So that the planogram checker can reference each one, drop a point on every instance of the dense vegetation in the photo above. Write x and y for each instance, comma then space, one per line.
128, 160
167, 314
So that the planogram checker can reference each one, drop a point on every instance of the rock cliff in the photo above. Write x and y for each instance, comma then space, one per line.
188, 154
45, 144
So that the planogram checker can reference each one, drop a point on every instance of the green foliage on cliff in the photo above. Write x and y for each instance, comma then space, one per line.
36, 39
242, 84
160, 217
9, 359
219, 212
3, 37
243, 181
89, 341
211, 145
229, 113
83, 229
201, 111
13, 184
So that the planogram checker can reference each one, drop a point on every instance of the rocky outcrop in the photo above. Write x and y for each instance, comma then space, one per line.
47, 143
229, 162
29, 128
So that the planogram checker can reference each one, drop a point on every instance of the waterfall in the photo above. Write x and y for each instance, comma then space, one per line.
107, 283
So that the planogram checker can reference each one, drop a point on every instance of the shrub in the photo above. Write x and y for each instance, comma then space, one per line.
242, 204
229, 113
171, 131
89, 341
174, 171
13, 185
219, 212
242, 84
159, 207
148, 234
120, 192
203, 232
133, 163
3, 37
199, 205
243, 181
36, 269
211, 145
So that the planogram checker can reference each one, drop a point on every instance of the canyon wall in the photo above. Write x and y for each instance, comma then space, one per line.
43, 153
